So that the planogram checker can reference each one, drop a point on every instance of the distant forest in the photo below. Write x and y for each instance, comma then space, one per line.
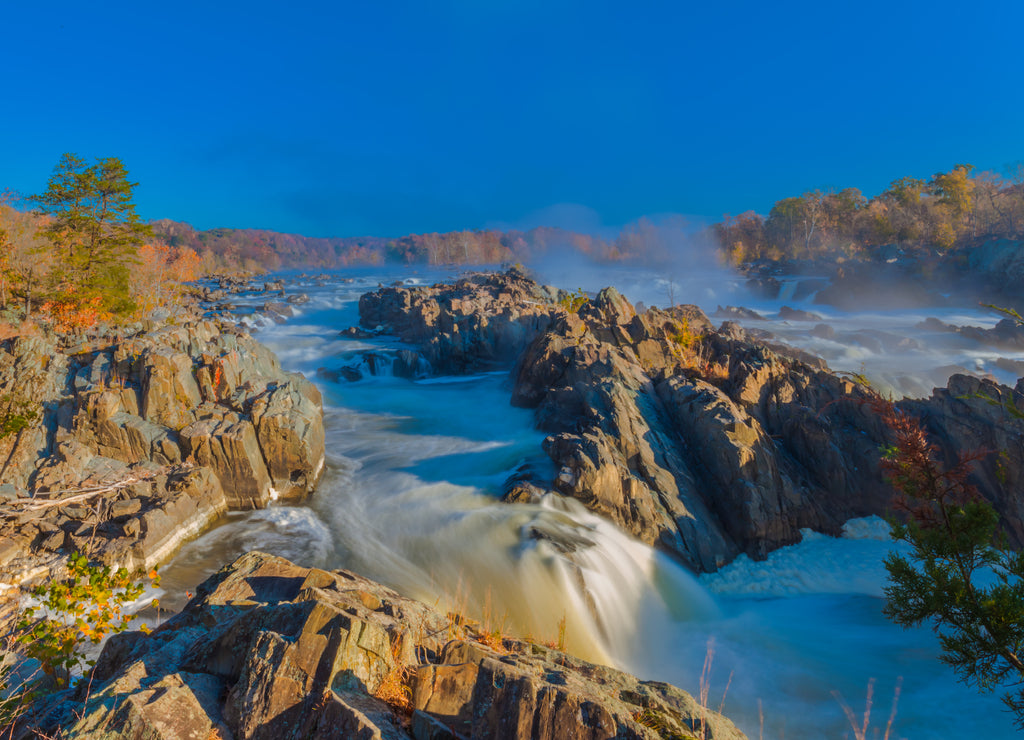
252, 249
938, 218
952, 210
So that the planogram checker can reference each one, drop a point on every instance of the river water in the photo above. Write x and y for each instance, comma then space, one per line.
409, 498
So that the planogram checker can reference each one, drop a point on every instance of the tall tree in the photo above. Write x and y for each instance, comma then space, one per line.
955, 193
27, 255
95, 228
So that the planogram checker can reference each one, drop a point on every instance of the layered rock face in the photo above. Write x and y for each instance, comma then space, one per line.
480, 321
700, 442
133, 445
271, 650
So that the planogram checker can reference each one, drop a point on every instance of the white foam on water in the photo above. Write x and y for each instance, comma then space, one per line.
851, 564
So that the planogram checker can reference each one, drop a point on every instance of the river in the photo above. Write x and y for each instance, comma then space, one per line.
409, 498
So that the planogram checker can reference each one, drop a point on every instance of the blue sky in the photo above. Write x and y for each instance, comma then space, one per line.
385, 118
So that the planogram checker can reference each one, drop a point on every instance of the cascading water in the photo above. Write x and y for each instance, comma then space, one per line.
408, 499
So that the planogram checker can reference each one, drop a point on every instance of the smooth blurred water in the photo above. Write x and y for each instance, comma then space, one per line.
409, 498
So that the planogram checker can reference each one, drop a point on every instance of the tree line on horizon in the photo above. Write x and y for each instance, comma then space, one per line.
78, 252
223, 250
952, 210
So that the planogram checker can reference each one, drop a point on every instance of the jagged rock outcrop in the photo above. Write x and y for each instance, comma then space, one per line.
1000, 263
1006, 334
703, 469
713, 445
154, 436
705, 443
479, 321
267, 649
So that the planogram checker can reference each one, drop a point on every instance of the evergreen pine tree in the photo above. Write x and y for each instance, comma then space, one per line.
95, 230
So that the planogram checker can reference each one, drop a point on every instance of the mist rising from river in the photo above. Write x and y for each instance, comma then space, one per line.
889, 347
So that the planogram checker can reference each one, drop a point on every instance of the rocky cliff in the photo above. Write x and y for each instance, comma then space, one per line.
271, 650
127, 446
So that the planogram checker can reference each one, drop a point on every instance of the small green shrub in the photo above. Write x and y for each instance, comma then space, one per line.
573, 302
86, 607
16, 413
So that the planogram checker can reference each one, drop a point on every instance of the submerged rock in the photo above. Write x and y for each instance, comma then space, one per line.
271, 650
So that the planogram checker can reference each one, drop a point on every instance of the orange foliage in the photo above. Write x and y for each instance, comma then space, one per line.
160, 273
70, 315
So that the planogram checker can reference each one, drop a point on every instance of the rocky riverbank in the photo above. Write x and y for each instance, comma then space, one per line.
125, 446
706, 443
271, 650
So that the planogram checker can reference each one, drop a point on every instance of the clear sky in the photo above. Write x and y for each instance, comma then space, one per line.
352, 118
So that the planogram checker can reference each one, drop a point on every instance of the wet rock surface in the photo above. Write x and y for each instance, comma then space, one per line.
712, 445
703, 443
268, 649
134, 444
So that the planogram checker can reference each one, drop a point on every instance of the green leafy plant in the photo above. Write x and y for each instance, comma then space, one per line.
84, 608
16, 413
573, 302
961, 576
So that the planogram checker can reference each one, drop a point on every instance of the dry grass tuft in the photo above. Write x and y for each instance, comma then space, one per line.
860, 729
394, 690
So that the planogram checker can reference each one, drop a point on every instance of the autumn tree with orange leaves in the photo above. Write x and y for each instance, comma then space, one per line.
158, 277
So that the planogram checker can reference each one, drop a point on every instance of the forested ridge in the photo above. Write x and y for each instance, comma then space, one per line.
50, 261
948, 212
225, 249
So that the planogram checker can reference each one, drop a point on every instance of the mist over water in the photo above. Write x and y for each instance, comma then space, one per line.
410, 498
897, 356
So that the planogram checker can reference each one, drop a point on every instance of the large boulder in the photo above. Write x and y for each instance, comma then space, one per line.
228, 446
270, 650
480, 321
290, 430
708, 444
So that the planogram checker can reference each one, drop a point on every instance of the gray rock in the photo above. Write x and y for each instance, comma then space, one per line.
303, 653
